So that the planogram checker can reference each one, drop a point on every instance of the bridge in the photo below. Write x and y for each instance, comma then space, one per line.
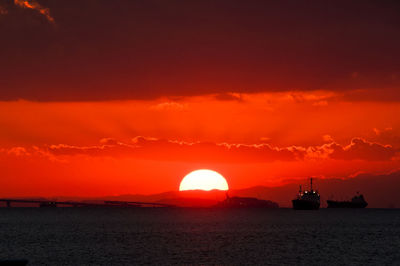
55, 203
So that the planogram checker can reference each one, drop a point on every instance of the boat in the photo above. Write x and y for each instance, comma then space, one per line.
357, 201
307, 200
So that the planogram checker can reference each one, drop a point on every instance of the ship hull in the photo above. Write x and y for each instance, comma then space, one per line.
346, 204
299, 204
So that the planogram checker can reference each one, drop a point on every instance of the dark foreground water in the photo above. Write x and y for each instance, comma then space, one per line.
81, 236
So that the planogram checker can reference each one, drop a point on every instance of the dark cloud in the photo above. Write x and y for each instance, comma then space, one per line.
144, 49
229, 97
168, 150
360, 149
374, 94
387, 135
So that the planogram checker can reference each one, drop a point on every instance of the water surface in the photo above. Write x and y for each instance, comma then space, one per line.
96, 236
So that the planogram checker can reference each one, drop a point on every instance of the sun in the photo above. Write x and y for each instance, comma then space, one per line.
203, 179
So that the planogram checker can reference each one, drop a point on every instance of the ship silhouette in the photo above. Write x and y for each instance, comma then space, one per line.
357, 201
307, 200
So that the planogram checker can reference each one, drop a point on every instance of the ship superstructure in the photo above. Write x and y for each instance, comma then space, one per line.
307, 199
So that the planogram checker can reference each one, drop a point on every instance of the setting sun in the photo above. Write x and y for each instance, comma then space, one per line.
203, 180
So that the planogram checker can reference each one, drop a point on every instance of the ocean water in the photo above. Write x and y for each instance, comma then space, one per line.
96, 236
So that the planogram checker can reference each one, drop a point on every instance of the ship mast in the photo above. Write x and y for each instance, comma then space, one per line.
311, 183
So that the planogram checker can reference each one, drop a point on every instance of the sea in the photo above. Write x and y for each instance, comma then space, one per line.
168, 236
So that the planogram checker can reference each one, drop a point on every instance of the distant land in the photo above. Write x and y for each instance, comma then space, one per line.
378, 190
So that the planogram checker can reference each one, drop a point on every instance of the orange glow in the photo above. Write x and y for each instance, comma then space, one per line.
146, 146
266, 93
203, 180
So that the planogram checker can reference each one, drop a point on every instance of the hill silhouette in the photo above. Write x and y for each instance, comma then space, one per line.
380, 191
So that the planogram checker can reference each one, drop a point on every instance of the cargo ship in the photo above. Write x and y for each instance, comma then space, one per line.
357, 201
307, 200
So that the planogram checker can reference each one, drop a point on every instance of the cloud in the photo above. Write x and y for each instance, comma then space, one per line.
18, 151
316, 97
388, 93
320, 103
358, 149
171, 50
229, 96
387, 135
32, 4
109, 141
169, 106
168, 150
146, 148
327, 138
377, 131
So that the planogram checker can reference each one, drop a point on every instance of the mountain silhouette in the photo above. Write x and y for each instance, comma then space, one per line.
380, 191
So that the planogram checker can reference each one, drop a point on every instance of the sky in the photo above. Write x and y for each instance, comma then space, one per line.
106, 98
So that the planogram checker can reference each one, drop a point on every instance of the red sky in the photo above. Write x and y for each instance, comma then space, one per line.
100, 98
